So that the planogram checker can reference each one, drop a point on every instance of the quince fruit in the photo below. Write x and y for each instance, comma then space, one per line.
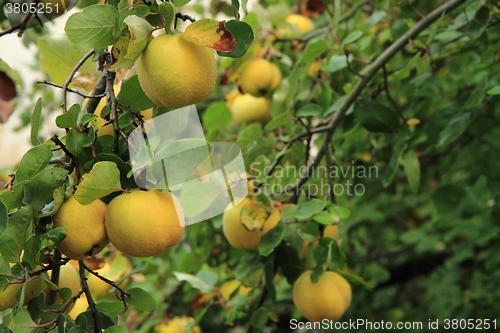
328, 298
144, 223
32, 289
259, 78
113, 270
84, 225
300, 26
177, 325
246, 109
236, 233
175, 73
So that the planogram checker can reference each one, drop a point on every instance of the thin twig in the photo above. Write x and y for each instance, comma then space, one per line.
386, 88
111, 283
414, 9
74, 160
71, 90
70, 77
349, 65
85, 287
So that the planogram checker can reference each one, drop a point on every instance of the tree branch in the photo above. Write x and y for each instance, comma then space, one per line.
85, 287
70, 77
369, 73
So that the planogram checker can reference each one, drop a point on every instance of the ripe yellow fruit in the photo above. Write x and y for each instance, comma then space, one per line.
84, 225
143, 224
68, 278
260, 78
328, 298
33, 288
247, 109
301, 24
175, 73
231, 96
331, 231
79, 306
114, 271
177, 325
236, 233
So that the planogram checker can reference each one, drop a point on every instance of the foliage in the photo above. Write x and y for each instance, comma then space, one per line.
386, 123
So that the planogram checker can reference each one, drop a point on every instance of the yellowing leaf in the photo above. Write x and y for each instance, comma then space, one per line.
210, 33
256, 212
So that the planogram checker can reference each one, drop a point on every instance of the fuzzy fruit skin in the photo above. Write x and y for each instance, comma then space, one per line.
302, 23
175, 73
143, 224
79, 306
84, 225
247, 109
328, 298
260, 78
237, 235
32, 289
114, 271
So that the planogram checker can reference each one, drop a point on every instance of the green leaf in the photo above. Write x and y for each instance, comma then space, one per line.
287, 258
399, 28
57, 235
35, 122
21, 322
15, 233
355, 279
217, 116
11, 199
447, 197
271, 239
309, 110
33, 162
479, 23
494, 91
338, 211
70, 118
336, 63
376, 117
198, 198
94, 27
179, 3
103, 179
352, 37
4, 217
141, 300
279, 121
392, 168
76, 141
412, 168
309, 208
139, 35
194, 281
243, 36
259, 318
58, 57
337, 257
455, 128
40, 190
324, 218
314, 50
131, 94
477, 95
309, 231
116, 328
